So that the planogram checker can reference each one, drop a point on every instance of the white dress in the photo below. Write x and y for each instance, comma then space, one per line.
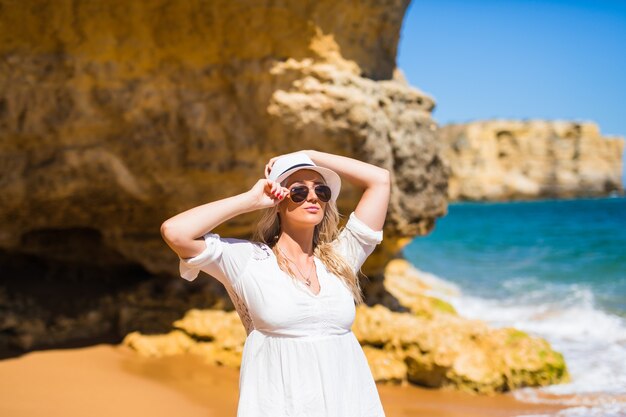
300, 358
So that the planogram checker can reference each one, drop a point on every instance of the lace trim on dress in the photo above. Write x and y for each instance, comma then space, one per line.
261, 251
242, 310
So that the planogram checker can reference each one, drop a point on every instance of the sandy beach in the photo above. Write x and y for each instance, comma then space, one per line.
110, 380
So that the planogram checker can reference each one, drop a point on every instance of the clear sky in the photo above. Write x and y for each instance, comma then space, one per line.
519, 59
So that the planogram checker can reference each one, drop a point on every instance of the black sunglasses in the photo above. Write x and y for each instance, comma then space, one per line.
299, 193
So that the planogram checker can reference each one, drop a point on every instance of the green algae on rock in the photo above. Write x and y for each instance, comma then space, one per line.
452, 352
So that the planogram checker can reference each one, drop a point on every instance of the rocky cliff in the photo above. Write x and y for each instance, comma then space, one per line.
115, 115
512, 159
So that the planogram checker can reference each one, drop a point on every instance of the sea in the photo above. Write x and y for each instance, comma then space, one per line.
553, 268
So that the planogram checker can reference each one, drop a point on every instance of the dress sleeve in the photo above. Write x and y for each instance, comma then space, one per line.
357, 241
223, 258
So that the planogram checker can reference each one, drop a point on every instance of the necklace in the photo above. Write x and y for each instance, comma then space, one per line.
308, 277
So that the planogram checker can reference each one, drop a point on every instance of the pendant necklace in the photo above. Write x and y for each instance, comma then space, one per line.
308, 277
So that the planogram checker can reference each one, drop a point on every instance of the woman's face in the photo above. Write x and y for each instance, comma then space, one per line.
309, 212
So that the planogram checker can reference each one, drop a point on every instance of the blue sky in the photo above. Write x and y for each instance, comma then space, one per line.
520, 59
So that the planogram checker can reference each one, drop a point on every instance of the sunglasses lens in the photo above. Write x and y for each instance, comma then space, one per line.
323, 193
299, 194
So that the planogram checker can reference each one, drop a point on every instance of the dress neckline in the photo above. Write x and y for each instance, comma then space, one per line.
319, 279
300, 282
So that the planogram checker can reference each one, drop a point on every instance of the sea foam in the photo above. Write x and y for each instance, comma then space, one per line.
592, 341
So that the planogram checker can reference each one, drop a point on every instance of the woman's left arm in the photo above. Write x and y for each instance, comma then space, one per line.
376, 181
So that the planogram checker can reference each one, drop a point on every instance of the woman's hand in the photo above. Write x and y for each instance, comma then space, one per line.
267, 193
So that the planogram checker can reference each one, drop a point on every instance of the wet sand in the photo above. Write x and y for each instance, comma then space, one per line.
107, 380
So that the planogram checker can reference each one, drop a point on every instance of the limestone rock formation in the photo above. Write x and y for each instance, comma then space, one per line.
449, 351
175, 342
438, 351
116, 115
428, 346
416, 290
512, 159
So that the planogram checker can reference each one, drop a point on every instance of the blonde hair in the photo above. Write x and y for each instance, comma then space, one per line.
268, 231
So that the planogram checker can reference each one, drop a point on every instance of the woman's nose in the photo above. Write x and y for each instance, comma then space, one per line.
312, 192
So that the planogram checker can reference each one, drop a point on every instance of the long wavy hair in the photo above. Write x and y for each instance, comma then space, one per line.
269, 230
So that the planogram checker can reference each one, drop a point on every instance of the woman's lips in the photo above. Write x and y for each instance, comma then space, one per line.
312, 209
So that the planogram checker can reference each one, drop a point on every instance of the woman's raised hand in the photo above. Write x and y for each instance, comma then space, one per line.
267, 193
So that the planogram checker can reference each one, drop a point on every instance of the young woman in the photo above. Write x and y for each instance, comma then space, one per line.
295, 284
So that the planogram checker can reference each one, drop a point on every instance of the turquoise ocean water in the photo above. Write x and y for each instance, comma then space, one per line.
554, 268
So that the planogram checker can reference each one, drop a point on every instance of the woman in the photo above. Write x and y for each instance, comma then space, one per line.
295, 285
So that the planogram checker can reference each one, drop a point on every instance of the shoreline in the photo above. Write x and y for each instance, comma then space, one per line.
112, 380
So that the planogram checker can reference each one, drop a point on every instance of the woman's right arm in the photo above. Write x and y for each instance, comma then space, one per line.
183, 232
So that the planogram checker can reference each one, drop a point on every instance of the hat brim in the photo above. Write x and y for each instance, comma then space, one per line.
332, 179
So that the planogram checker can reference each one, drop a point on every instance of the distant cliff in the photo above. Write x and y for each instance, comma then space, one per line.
509, 160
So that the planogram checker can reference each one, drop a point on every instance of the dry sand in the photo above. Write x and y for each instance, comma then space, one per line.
107, 380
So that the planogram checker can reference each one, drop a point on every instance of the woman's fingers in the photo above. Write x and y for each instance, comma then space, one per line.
274, 189
268, 167
278, 192
281, 192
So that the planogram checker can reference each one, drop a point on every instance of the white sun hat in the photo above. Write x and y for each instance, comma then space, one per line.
288, 164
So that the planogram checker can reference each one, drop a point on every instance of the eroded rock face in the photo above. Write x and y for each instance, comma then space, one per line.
415, 290
51, 303
114, 116
438, 351
429, 345
450, 351
509, 160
